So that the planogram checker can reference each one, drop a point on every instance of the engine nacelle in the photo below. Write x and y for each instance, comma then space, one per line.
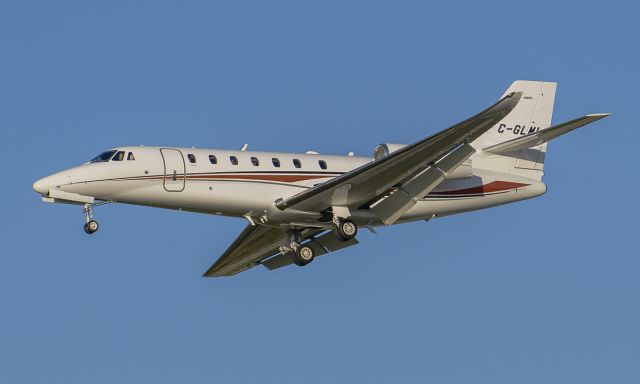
463, 171
383, 150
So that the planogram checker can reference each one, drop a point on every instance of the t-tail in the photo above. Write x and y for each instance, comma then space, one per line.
518, 143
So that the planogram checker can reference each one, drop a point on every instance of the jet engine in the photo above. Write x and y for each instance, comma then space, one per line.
384, 149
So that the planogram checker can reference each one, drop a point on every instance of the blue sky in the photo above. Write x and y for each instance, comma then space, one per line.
541, 291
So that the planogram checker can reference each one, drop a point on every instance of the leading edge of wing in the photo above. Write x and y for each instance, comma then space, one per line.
443, 142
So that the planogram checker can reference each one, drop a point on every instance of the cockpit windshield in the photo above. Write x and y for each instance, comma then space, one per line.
104, 156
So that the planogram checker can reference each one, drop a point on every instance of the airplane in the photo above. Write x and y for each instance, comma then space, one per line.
302, 205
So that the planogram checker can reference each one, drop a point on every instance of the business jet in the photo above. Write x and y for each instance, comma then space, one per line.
302, 205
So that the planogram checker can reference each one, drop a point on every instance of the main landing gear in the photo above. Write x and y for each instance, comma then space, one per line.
300, 254
345, 229
303, 254
90, 226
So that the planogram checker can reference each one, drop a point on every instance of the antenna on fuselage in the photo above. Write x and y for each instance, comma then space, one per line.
244, 147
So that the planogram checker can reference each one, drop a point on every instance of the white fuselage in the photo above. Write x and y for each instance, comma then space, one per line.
188, 179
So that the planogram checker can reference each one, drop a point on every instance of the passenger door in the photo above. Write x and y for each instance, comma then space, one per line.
174, 169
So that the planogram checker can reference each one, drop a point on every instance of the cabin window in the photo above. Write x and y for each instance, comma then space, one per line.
323, 164
130, 156
255, 161
276, 162
192, 158
234, 160
297, 163
213, 159
104, 156
119, 156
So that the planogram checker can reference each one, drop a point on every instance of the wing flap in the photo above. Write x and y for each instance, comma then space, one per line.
277, 261
330, 243
365, 183
541, 137
391, 208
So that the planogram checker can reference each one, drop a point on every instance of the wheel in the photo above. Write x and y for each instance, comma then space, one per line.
303, 256
91, 227
346, 230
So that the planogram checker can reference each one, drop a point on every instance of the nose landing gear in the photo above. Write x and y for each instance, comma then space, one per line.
90, 226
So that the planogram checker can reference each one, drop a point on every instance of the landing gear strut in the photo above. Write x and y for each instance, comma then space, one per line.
345, 229
90, 226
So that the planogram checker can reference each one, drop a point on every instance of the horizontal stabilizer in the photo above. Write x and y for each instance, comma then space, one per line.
543, 136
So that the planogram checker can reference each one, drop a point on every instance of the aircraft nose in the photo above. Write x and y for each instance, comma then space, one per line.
56, 180
39, 186
42, 186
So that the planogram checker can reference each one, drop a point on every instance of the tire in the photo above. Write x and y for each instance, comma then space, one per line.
303, 256
91, 227
346, 230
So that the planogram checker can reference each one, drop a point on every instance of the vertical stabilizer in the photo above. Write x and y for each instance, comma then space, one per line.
532, 114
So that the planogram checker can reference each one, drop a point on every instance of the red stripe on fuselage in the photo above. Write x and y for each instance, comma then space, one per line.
280, 178
494, 186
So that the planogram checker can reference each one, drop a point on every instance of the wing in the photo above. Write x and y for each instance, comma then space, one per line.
361, 185
544, 135
254, 244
